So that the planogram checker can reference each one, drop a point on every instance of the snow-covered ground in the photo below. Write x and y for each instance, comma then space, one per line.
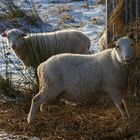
6, 136
74, 15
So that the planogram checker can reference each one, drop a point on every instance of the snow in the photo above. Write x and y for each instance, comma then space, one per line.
92, 20
6, 136
59, 14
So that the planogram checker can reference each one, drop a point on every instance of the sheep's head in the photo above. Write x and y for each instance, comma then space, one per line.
14, 37
124, 49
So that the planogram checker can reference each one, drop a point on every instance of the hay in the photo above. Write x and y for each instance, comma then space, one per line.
117, 18
70, 123
134, 76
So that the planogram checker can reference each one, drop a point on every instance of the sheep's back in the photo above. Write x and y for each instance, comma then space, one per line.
36, 48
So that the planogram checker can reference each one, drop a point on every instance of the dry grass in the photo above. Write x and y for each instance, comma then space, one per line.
134, 76
10, 12
7, 88
102, 2
94, 122
65, 18
117, 19
98, 121
64, 8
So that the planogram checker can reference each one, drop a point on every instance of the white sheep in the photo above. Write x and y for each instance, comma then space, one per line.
103, 41
77, 77
35, 48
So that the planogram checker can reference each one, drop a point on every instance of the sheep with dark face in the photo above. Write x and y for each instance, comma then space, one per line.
34, 48
77, 77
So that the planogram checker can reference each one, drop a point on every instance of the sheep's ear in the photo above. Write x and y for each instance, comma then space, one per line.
131, 36
22, 34
113, 44
4, 34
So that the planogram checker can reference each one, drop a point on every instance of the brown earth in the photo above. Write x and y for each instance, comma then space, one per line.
63, 122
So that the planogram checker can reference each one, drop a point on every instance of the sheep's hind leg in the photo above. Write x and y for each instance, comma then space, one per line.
54, 101
52, 96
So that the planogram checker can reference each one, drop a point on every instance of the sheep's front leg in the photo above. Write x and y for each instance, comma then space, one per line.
116, 95
35, 105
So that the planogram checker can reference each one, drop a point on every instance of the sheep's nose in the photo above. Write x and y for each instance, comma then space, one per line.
128, 57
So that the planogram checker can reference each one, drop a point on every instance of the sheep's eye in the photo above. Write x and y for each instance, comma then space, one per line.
117, 46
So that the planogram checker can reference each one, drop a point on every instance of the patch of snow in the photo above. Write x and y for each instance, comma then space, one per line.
6, 136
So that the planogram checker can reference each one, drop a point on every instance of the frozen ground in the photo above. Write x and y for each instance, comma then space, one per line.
6, 136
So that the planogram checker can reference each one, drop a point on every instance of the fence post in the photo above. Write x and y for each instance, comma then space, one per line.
137, 19
131, 15
113, 4
126, 12
108, 11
